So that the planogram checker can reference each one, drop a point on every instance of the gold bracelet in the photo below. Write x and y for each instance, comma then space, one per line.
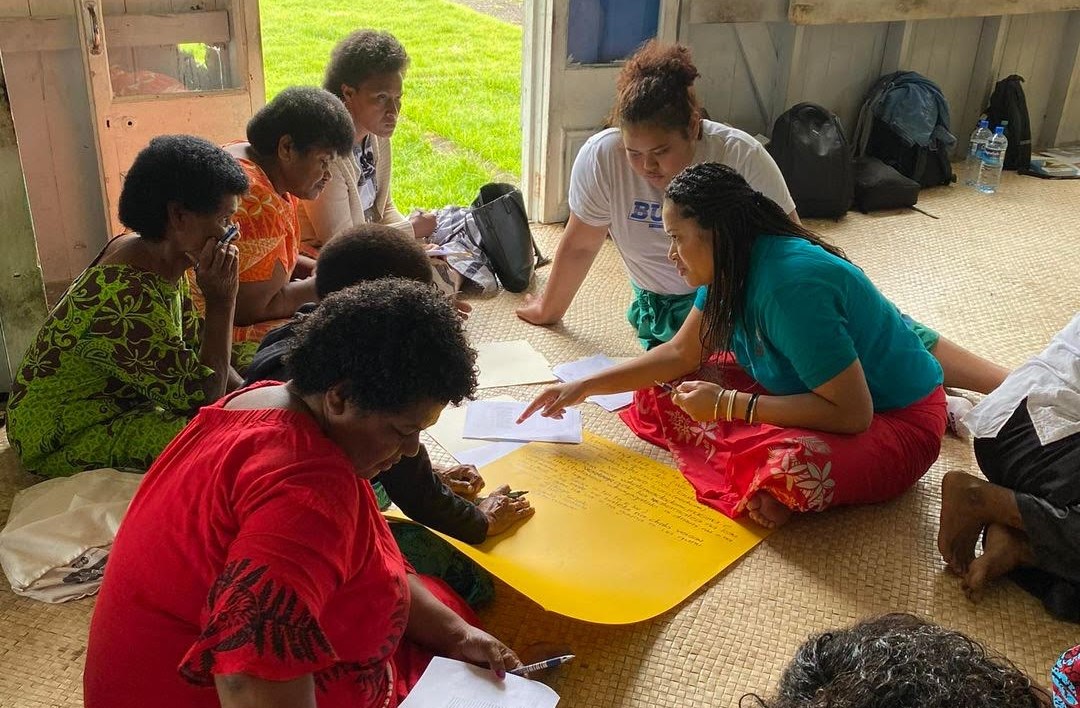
731, 405
716, 406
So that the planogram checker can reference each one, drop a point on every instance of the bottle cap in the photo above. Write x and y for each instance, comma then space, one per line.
984, 123
1000, 130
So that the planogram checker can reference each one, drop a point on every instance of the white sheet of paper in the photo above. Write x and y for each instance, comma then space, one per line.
486, 453
511, 364
454, 684
447, 432
574, 370
497, 420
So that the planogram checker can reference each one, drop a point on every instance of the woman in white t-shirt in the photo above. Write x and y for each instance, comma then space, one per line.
617, 186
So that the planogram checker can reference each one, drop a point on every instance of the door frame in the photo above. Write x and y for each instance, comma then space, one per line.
548, 143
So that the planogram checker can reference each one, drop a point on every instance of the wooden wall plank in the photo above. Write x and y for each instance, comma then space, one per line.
831, 12
838, 64
945, 52
726, 11
133, 30
1062, 124
989, 55
762, 64
43, 34
1033, 49
74, 161
26, 89
716, 55
900, 41
22, 292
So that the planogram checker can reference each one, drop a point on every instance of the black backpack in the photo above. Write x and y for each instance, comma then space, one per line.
1008, 103
811, 151
928, 165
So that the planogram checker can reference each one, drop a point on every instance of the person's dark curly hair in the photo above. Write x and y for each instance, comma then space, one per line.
363, 54
656, 88
900, 661
180, 169
722, 202
413, 350
369, 252
313, 118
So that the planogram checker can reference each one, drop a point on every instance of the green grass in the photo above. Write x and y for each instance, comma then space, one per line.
463, 85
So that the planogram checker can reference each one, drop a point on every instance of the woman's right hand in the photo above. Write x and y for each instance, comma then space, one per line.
218, 273
502, 512
423, 223
554, 400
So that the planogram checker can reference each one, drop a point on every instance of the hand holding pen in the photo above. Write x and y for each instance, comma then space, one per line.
504, 508
542, 665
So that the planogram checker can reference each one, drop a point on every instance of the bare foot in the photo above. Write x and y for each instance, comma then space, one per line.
766, 510
962, 519
1004, 549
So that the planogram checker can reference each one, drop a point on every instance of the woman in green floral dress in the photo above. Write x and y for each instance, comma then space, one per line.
123, 360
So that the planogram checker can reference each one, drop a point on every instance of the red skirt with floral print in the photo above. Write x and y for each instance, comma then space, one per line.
807, 470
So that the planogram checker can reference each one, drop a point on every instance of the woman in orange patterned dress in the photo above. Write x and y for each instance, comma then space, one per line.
290, 145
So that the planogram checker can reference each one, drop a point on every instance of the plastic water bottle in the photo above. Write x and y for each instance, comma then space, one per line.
992, 158
975, 144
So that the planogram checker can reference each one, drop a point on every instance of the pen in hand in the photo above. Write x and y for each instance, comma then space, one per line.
541, 665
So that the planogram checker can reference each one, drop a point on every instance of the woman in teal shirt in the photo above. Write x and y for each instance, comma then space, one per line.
814, 391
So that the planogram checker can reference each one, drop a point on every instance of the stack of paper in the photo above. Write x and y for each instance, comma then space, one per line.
587, 367
497, 420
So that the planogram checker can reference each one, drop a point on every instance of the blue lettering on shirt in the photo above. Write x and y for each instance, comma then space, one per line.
648, 213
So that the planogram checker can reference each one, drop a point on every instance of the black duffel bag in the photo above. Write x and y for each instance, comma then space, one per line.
879, 186
505, 238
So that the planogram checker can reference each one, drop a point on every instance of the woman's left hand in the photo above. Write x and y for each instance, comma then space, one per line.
478, 647
697, 399
462, 479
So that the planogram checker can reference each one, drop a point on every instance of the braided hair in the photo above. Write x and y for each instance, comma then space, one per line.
721, 201
656, 87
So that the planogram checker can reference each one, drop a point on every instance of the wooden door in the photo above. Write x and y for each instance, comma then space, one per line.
565, 100
156, 67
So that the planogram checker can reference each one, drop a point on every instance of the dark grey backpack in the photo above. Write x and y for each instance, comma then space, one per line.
809, 147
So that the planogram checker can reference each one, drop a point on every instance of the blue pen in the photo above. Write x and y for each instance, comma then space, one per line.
541, 665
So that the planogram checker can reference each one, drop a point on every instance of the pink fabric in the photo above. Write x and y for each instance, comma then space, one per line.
807, 470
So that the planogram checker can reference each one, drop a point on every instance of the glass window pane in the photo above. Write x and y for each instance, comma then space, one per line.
605, 31
139, 71
172, 53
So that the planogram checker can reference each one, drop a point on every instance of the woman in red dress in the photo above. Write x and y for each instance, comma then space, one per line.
253, 567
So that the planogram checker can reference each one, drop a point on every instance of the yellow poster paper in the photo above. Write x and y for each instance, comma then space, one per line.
617, 537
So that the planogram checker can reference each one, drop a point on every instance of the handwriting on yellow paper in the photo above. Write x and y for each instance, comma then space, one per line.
617, 537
